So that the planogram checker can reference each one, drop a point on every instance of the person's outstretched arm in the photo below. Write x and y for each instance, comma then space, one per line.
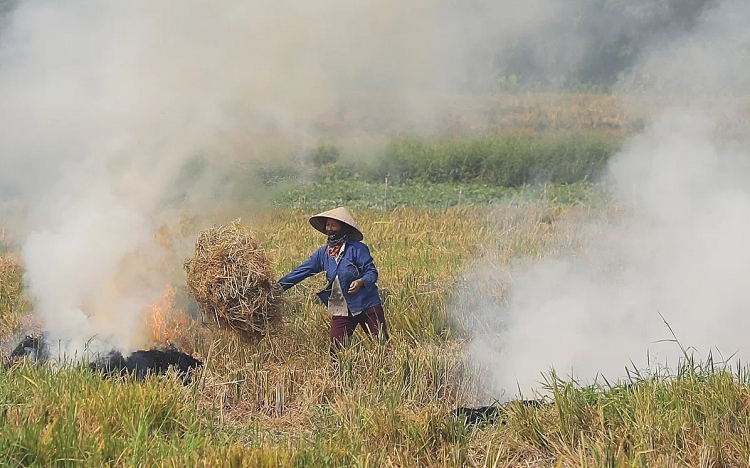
310, 267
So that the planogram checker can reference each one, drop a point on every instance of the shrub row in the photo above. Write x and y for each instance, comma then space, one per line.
500, 160
508, 161
360, 194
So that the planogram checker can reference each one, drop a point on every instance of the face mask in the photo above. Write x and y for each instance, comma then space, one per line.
336, 237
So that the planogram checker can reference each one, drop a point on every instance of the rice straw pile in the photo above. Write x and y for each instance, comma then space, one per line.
230, 278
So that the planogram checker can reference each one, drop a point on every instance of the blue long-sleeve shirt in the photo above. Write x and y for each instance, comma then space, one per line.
355, 263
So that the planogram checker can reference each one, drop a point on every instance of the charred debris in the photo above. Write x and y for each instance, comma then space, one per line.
138, 364
498, 413
494, 414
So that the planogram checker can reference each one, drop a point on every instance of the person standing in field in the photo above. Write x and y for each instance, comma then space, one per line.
352, 295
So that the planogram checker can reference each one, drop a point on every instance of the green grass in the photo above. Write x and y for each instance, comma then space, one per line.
370, 195
501, 160
420, 171
697, 414
72, 416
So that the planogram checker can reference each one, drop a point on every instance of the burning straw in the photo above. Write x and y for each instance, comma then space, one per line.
230, 278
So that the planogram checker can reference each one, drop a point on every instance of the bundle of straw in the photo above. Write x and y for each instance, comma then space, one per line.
230, 278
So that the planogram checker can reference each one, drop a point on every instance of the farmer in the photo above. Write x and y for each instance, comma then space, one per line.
352, 294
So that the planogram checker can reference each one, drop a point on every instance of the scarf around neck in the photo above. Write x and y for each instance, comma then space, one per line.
335, 241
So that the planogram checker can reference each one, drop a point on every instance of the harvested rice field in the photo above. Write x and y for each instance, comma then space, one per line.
281, 401
554, 199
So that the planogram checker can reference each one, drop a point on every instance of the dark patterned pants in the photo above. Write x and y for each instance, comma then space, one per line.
372, 321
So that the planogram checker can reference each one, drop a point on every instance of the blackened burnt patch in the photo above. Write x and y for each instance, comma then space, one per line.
493, 414
138, 364
32, 346
151, 362
483, 414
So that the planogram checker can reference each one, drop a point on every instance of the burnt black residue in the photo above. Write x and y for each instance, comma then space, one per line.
483, 414
493, 414
138, 364
151, 362
32, 347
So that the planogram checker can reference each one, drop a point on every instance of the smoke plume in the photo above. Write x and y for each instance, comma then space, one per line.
105, 102
679, 255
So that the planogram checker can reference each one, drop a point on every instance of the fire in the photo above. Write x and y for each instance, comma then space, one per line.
168, 324
164, 237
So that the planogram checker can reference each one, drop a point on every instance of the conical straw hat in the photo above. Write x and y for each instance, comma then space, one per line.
339, 214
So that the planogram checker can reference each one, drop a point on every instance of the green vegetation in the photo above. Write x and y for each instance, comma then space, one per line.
501, 160
358, 195
431, 173
479, 143
72, 416
508, 161
697, 415
447, 172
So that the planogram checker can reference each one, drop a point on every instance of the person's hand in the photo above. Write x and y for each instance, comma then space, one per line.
356, 286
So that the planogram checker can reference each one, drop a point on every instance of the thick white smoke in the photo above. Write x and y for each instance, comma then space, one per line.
681, 253
104, 102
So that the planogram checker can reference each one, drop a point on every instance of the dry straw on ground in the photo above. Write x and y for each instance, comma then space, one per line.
13, 302
10, 269
230, 278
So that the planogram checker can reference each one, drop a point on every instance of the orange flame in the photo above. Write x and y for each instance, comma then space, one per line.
168, 325
164, 237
